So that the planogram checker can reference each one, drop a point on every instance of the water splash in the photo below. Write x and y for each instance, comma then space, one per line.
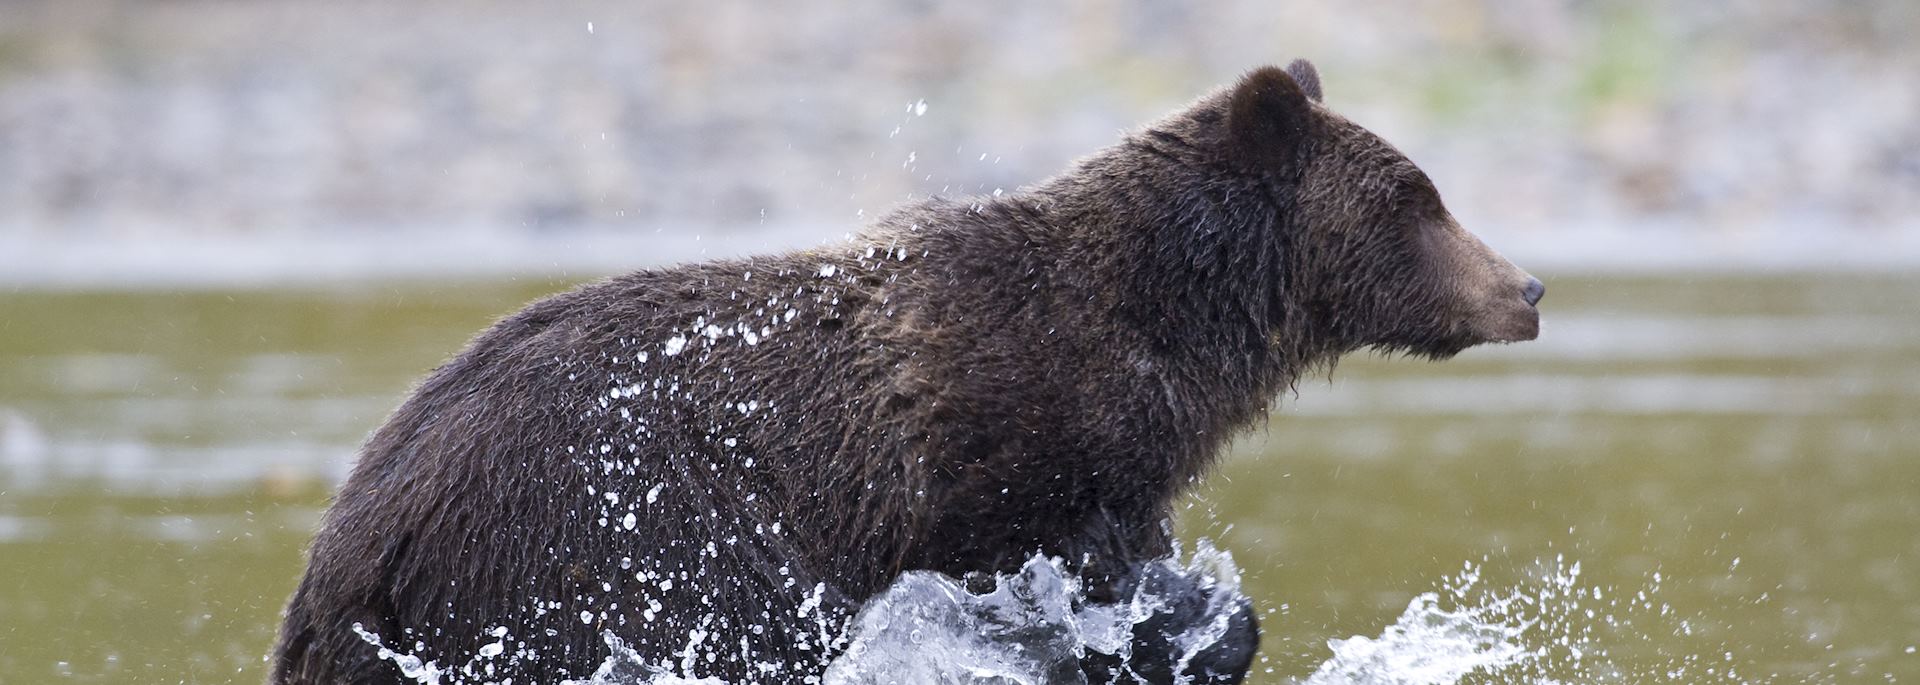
624, 666
1035, 626
1032, 628
411, 667
1548, 629
928, 628
1429, 645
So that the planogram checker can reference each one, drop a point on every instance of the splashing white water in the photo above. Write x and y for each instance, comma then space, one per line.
624, 666
1427, 645
1549, 629
412, 667
1035, 626
929, 629
1031, 629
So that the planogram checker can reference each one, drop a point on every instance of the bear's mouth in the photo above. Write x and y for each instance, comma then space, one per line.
1514, 324
1429, 346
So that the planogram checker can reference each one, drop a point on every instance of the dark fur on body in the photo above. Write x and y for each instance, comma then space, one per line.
966, 384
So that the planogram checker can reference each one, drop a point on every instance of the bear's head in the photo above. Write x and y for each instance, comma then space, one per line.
1373, 257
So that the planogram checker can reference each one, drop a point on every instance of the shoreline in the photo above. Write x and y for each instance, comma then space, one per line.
168, 260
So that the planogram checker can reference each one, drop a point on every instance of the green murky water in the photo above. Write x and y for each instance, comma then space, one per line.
1744, 449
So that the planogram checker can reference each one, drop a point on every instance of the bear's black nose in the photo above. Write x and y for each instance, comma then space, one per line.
1535, 290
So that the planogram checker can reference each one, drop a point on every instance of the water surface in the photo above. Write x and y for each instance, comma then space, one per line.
1741, 448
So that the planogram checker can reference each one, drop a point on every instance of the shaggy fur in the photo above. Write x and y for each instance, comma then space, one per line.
717, 461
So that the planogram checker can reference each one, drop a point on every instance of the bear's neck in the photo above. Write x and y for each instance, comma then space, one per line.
1194, 266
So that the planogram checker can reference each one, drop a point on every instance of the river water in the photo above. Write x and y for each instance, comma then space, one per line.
1684, 480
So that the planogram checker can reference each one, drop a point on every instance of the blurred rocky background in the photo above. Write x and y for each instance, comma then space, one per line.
133, 132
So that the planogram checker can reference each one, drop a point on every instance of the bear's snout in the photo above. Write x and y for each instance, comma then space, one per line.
1497, 298
1507, 318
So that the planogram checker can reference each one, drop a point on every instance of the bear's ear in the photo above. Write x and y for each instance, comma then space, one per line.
1268, 116
1307, 77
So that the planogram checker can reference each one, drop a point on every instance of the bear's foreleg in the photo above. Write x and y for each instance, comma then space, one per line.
1117, 560
1162, 640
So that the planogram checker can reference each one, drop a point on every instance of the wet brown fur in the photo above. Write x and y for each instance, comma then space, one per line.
977, 380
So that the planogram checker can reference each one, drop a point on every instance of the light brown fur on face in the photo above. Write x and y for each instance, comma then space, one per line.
1494, 299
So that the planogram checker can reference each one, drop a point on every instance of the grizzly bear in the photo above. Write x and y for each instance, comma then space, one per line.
717, 462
